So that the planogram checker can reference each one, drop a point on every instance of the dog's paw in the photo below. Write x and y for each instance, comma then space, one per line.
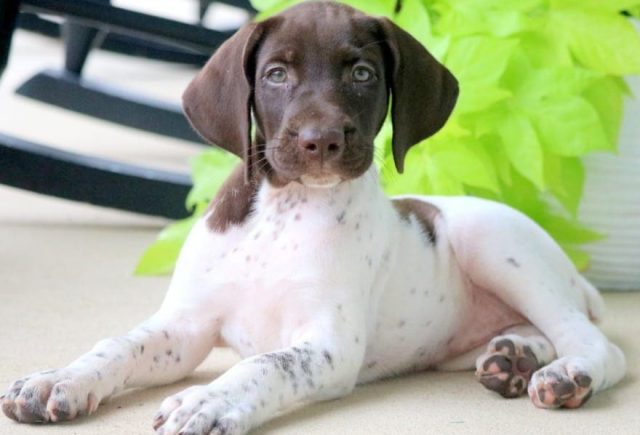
49, 396
565, 383
202, 410
507, 366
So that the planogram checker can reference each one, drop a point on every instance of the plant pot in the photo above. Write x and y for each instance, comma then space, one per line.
611, 205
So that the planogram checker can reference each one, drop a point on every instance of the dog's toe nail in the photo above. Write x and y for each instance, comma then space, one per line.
158, 420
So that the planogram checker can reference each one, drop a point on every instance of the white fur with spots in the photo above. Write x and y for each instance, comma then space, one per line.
322, 288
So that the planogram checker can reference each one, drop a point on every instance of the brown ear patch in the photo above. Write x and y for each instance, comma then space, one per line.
217, 102
424, 212
423, 91
233, 202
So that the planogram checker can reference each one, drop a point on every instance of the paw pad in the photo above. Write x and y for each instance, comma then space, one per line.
507, 367
557, 387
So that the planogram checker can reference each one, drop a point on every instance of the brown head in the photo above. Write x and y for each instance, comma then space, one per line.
317, 80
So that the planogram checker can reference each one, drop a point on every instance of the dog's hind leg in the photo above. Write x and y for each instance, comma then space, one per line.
507, 254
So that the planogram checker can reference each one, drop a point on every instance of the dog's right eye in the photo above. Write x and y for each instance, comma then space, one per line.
277, 75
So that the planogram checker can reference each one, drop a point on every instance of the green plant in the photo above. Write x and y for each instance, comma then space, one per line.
541, 86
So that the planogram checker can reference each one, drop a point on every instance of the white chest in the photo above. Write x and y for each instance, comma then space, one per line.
301, 252
346, 252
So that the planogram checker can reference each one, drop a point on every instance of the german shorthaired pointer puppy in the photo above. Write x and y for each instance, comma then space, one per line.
315, 277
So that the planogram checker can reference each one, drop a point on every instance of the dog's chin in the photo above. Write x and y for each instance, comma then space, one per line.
320, 181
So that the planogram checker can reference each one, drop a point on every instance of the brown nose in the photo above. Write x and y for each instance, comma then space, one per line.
321, 144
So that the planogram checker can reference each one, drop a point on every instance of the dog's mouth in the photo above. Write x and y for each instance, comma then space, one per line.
320, 181
317, 177
282, 163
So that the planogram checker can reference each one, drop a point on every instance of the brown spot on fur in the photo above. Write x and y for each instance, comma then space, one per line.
424, 212
512, 261
233, 202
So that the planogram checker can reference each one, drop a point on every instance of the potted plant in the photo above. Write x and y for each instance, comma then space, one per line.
541, 87
611, 203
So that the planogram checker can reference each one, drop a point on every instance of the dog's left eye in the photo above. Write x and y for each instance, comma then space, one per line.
362, 74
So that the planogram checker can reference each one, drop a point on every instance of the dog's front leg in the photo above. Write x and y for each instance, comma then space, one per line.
320, 365
163, 349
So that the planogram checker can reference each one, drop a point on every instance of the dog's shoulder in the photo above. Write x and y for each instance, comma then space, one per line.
233, 202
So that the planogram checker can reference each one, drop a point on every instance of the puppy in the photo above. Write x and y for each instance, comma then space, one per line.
315, 277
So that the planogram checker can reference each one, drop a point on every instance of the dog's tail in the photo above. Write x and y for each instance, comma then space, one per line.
595, 303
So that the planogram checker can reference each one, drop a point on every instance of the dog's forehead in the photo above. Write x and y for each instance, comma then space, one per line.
316, 27
322, 12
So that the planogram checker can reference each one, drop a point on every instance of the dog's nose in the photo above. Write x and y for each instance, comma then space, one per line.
321, 144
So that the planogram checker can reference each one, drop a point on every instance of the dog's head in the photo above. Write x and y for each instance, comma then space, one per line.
317, 79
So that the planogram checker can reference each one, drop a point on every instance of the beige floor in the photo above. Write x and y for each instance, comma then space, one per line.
66, 281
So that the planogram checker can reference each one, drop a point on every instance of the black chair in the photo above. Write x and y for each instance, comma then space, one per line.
50, 171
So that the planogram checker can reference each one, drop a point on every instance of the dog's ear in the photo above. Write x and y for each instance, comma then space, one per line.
217, 102
423, 91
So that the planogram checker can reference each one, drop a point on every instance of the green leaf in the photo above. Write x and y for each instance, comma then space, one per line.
414, 18
607, 97
480, 97
261, 5
523, 147
522, 195
570, 126
208, 171
606, 43
500, 160
442, 182
484, 122
579, 257
479, 60
161, 256
565, 178
518, 5
474, 21
547, 45
373, 7
597, 5
568, 231
415, 177
542, 83
464, 164
269, 8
